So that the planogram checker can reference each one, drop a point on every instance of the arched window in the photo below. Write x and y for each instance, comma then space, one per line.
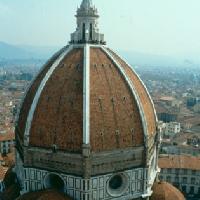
83, 32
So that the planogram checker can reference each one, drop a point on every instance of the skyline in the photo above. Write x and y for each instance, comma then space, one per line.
153, 27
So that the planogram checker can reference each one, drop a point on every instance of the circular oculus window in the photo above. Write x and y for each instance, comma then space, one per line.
117, 185
54, 181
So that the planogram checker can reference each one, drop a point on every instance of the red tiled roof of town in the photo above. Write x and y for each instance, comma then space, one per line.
179, 162
9, 159
160, 108
7, 136
165, 191
3, 171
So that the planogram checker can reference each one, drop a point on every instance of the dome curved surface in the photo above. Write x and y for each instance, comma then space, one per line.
53, 113
87, 124
165, 191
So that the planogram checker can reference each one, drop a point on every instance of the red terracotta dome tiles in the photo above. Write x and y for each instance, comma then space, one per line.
30, 96
115, 120
143, 95
58, 115
166, 191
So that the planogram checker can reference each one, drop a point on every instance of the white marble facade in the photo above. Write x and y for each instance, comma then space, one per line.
89, 189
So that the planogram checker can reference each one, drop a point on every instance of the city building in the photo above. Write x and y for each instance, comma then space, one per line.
171, 129
192, 101
196, 108
183, 171
87, 126
7, 142
167, 108
166, 114
180, 149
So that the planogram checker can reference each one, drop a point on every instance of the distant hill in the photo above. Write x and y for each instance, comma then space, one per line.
8, 51
142, 59
12, 52
41, 52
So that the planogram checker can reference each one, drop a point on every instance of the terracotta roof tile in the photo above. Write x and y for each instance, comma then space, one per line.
179, 162
7, 137
3, 171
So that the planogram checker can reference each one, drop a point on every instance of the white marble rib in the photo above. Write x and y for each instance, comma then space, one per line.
86, 95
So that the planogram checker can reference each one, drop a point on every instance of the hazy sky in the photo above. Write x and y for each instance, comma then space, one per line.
168, 27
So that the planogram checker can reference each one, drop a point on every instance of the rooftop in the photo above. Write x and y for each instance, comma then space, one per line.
3, 171
167, 98
7, 137
179, 162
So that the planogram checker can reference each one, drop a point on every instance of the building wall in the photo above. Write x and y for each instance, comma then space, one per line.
5, 146
172, 128
178, 150
167, 117
93, 188
102, 163
137, 182
186, 180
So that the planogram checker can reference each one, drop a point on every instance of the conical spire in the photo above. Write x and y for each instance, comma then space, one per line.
86, 4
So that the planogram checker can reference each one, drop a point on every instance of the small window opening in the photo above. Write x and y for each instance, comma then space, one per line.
91, 31
83, 32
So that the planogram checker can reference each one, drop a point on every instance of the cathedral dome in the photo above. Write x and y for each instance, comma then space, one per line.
165, 191
86, 95
87, 121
